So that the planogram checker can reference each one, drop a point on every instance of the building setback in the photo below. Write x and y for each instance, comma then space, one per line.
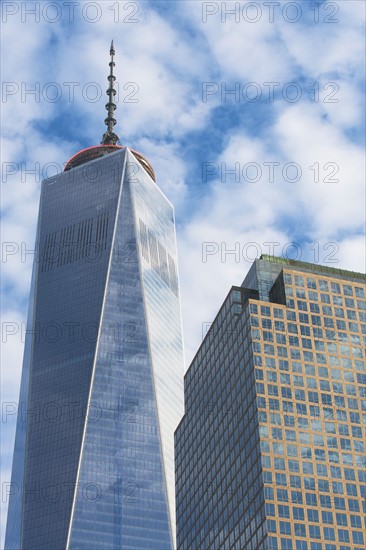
270, 453
93, 464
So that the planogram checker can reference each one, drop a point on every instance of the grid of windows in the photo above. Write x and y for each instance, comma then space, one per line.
313, 435
219, 480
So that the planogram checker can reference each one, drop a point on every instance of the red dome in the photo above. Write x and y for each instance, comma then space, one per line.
98, 151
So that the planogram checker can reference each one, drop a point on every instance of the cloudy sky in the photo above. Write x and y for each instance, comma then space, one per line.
250, 113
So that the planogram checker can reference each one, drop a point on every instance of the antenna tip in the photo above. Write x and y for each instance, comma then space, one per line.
112, 49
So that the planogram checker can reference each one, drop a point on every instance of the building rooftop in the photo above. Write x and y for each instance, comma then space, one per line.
314, 268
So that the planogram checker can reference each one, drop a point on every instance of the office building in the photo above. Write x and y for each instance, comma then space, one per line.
270, 453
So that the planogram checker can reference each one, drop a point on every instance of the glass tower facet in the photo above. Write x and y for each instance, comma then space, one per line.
270, 453
101, 390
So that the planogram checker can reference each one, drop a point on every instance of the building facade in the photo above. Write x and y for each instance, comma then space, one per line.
101, 390
270, 453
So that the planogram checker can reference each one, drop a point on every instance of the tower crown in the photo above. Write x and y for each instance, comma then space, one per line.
110, 138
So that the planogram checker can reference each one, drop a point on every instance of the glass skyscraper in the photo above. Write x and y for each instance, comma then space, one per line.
270, 454
101, 389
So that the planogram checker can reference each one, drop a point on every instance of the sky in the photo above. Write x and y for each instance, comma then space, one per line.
251, 114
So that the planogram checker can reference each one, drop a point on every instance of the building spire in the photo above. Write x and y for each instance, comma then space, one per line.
109, 137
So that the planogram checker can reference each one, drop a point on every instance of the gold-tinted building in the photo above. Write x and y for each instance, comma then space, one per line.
270, 453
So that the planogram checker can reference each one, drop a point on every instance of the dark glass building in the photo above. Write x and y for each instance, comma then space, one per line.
101, 386
270, 453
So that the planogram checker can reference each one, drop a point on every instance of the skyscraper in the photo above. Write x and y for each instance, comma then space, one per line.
270, 454
101, 389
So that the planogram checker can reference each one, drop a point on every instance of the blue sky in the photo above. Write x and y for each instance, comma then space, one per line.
276, 161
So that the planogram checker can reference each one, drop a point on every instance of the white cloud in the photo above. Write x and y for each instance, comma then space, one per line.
326, 48
331, 207
352, 253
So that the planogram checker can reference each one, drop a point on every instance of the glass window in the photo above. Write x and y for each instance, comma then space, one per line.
291, 315
290, 435
270, 362
353, 505
311, 500
277, 433
323, 285
271, 376
325, 501
278, 313
327, 517
335, 288
347, 290
314, 531
319, 454
318, 440
267, 323
349, 474
267, 477
272, 390
337, 487
268, 493
340, 504
300, 293
343, 535
313, 396
288, 420
300, 530
282, 495
274, 404
296, 497
323, 371
271, 525
311, 282
313, 515
322, 470
323, 485
335, 472
279, 463
307, 468
329, 533
299, 280
298, 514
357, 537
283, 512
272, 543
351, 489
356, 522
292, 450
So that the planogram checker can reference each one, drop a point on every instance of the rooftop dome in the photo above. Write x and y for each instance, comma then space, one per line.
97, 151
